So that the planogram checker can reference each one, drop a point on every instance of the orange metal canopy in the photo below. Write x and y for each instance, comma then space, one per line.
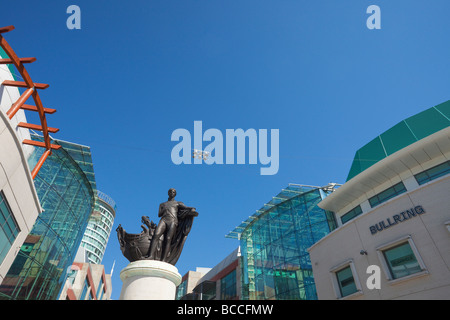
31, 90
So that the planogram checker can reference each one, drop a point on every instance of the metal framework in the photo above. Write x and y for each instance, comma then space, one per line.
31, 90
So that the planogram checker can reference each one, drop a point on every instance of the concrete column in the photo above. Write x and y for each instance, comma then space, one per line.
149, 280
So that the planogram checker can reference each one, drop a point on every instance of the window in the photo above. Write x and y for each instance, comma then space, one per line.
351, 214
228, 286
71, 275
346, 282
100, 289
433, 173
400, 259
181, 290
8, 227
387, 194
85, 290
101, 295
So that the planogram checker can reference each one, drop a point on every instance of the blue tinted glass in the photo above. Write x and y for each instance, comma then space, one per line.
100, 287
85, 290
351, 214
38, 272
433, 173
228, 286
5, 245
8, 227
275, 261
387, 194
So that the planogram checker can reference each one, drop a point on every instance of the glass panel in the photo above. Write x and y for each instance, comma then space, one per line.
181, 290
228, 286
85, 290
401, 261
5, 245
433, 173
351, 214
72, 274
275, 261
346, 281
67, 198
8, 227
3, 212
387, 194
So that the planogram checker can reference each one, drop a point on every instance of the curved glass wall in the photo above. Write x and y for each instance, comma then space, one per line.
99, 228
274, 242
67, 198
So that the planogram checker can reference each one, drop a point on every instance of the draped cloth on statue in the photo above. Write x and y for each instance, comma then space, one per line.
185, 221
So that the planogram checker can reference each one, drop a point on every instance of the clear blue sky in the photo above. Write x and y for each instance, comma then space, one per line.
138, 70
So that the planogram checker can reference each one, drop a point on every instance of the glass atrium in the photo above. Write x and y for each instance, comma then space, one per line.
67, 198
274, 242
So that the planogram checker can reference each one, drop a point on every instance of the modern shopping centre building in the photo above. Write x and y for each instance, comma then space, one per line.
390, 220
393, 216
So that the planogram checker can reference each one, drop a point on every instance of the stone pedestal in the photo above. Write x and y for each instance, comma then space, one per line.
149, 280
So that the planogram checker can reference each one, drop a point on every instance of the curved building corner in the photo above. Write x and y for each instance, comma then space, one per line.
66, 195
393, 217
19, 202
99, 228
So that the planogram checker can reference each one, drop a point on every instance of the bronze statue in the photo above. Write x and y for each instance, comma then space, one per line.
164, 241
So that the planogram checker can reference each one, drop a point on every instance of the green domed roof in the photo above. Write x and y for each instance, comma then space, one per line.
400, 136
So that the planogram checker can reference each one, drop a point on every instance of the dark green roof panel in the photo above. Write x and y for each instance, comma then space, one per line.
397, 137
400, 136
371, 153
427, 123
444, 108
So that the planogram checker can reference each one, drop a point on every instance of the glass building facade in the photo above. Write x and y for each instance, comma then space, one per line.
99, 228
67, 197
274, 241
8, 227
228, 286
101, 220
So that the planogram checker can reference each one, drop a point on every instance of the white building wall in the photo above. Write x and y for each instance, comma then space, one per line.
9, 95
15, 177
428, 233
18, 187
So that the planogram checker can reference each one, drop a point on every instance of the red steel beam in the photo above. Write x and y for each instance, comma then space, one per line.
40, 163
22, 84
22, 60
6, 29
40, 144
19, 103
41, 113
34, 108
36, 127
15, 59
31, 91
